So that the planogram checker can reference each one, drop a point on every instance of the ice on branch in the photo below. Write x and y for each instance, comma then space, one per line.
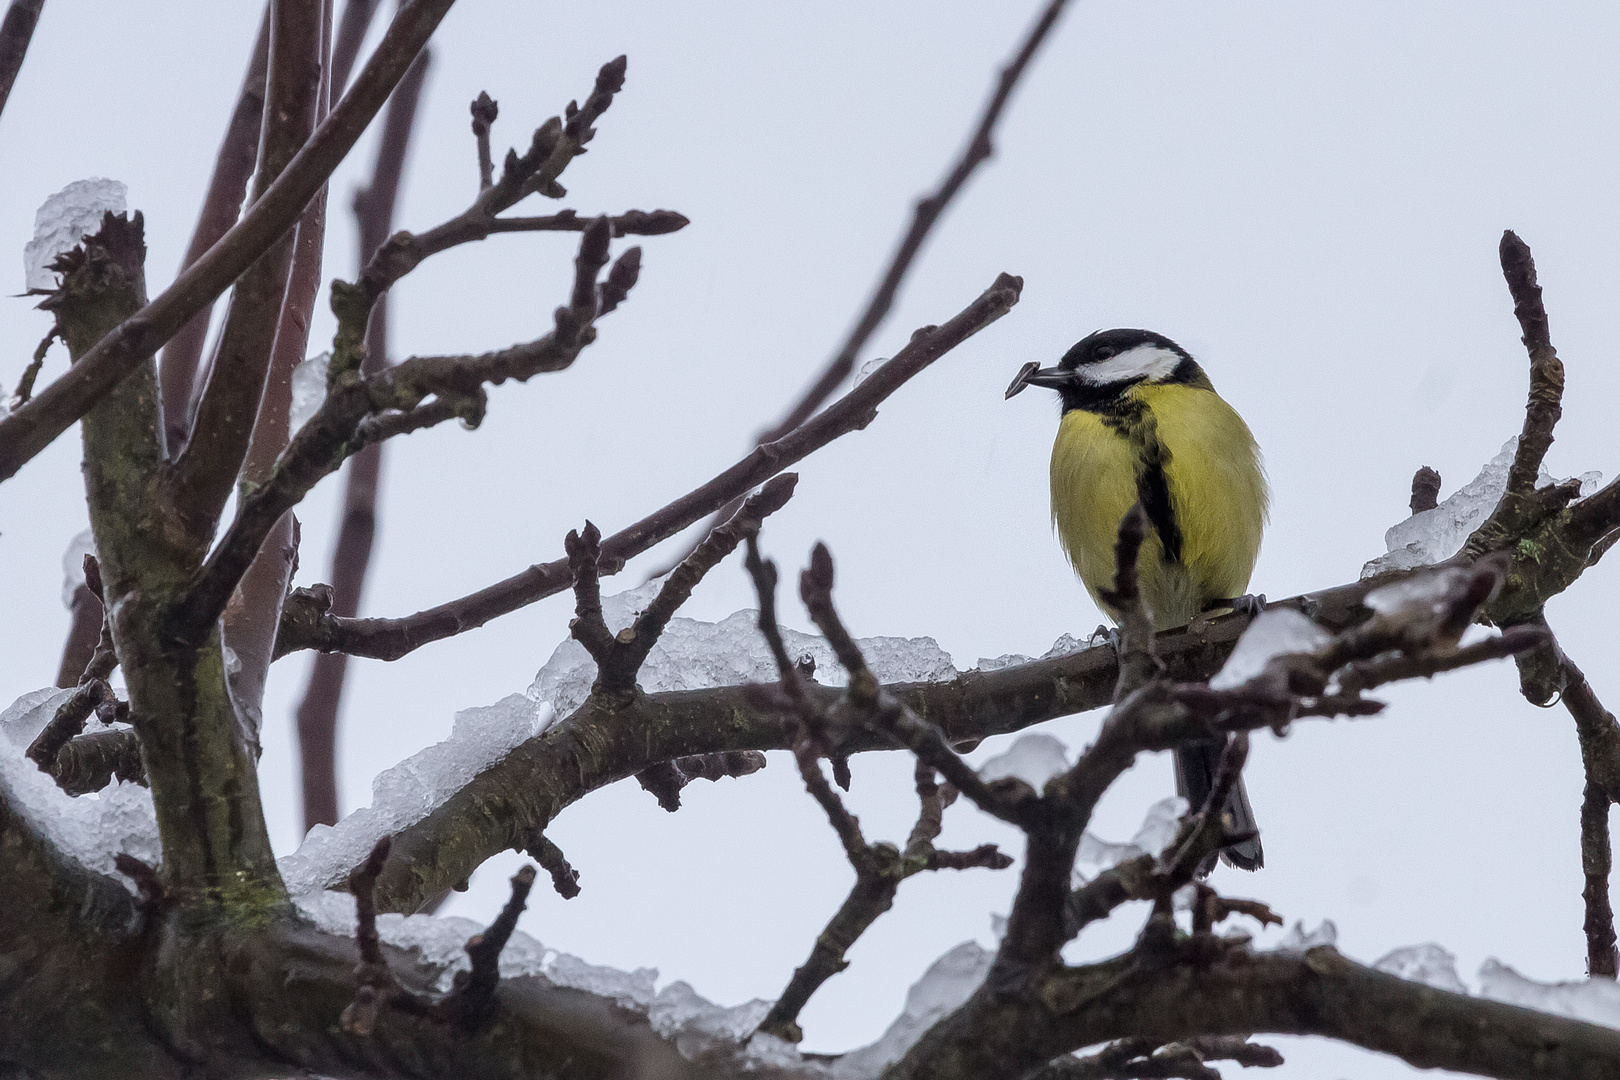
694, 655
91, 828
308, 389
73, 565
1596, 1001
1157, 830
947, 983
1436, 535
1299, 940
63, 220
1034, 758
677, 1012
1063, 646
1428, 964
1274, 632
413, 789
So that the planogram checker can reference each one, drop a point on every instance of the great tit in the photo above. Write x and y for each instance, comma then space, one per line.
1142, 423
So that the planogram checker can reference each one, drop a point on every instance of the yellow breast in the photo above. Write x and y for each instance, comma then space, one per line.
1216, 485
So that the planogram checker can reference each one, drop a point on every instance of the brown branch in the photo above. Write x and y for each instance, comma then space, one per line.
233, 168
1599, 736
879, 868
351, 34
84, 631
564, 878
389, 639
1597, 858
484, 111
202, 477
317, 714
474, 998
31, 428
15, 33
629, 223
1546, 371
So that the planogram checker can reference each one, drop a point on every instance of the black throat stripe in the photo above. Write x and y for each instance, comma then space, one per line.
1131, 420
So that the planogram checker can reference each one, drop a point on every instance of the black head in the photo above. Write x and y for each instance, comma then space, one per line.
1102, 366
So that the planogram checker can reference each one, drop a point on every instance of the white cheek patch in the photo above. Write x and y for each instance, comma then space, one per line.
1153, 363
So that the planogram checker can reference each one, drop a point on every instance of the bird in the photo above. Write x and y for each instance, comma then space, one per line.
1142, 423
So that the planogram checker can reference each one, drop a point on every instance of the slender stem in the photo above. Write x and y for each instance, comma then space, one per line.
15, 33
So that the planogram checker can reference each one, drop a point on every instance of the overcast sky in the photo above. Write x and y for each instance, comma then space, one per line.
1307, 197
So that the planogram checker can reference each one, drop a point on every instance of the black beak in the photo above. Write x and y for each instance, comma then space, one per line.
1032, 374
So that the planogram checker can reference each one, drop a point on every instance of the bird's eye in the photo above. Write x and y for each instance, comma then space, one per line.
1104, 352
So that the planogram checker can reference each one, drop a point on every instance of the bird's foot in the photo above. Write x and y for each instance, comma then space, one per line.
1250, 604
1104, 635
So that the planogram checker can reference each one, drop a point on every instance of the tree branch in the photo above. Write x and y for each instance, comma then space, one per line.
31, 428
203, 475
1546, 370
233, 168
388, 639
15, 33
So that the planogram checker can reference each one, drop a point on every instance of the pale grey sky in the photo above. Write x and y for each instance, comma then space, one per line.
1307, 197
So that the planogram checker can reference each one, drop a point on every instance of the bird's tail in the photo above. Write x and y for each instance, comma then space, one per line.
1195, 775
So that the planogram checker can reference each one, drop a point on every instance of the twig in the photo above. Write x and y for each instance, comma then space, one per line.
879, 868
564, 878
389, 639
1597, 857
317, 714
25, 384
351, 34
484, 112
475, 989
31, 428
1546, 371
233, 168
374, 985
666, 780
1425, 490
15, 33
629, 223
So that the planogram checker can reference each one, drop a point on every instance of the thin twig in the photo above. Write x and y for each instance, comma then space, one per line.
1546, 370
484, 112
475, 989
15, 33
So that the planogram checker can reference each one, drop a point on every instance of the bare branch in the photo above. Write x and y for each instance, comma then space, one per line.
1597, 858
475, 990
564, 878
206, 470
389, 639
15, 33
1546, 370
879, 868
233, 168
484, 112
31, 428
351, 34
